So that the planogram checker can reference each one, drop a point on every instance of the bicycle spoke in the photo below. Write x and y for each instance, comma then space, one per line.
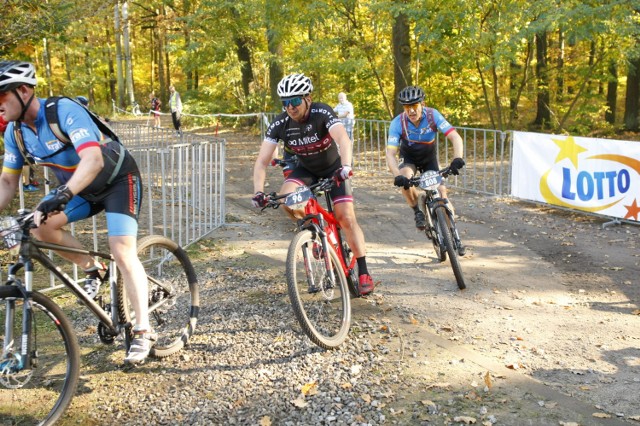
319, 298
40, 391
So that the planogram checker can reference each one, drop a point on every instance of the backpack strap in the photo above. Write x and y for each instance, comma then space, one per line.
430, 120
17, 136
51, 114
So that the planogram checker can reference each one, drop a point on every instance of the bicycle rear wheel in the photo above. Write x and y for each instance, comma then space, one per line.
41, 392
445, 231
174, 298
322, 308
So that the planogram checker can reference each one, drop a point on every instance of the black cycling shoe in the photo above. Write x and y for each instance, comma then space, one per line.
421, 221
462, 250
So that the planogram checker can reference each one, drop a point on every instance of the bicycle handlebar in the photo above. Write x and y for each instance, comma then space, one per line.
415, 181
324, 184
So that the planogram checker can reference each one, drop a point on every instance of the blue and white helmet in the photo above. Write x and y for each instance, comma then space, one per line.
294, 85
13, 74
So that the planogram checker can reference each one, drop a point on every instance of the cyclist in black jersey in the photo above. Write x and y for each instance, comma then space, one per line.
313, 132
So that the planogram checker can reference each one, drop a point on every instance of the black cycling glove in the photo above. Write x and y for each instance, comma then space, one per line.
402, 181
57, 202
456, 165
260, 199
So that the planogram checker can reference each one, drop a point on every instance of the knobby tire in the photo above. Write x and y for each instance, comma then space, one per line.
447, 238
168, 267
323, 313
45, 396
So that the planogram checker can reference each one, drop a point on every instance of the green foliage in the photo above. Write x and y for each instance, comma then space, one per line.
471, 57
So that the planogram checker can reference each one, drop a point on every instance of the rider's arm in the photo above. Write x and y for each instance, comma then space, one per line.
262, 162
339, 134
8, 185
392, 161
456, 142
91, 163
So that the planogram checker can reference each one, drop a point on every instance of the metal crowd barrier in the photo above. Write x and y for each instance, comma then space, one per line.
487, 154
183, 187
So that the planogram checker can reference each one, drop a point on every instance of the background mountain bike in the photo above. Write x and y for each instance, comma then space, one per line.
40, 358
441, 225
321, 271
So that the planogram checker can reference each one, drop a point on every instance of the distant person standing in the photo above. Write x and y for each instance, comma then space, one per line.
344, 111
176, 108
155, 108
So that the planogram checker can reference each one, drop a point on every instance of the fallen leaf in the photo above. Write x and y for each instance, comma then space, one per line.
309, 388
366, 397
464, 419
569, 424
300, 402
601, 415
346, 385
265, 421
636, 312
487, 380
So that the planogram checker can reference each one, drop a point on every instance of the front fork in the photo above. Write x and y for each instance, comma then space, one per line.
16, 359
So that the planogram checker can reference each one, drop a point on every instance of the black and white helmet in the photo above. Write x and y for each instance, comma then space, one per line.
411, 95
294, 85
16, 73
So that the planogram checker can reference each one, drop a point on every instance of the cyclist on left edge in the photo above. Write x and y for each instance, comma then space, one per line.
95, 174
319, 140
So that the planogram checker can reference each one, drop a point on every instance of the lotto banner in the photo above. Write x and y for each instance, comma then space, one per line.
594, 175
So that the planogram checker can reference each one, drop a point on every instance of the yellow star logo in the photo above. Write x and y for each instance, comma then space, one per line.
568, 149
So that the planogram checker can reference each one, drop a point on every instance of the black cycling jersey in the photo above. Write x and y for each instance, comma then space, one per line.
309, 140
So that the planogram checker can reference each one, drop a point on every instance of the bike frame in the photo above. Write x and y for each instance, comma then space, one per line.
32, 249
323, 222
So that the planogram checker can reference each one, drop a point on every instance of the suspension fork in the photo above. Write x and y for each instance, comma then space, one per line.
25, 359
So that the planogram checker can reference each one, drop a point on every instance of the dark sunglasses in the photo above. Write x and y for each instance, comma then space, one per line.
297, 101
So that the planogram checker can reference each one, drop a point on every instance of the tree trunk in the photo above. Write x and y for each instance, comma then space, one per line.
46, 54
244, 57
274, 44
543, 113
127, 52
87, 64
401, 57
110, 65
119, 67
612, 94
631, 99
560, 71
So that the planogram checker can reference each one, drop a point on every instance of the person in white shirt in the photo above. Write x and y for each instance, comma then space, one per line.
175, 103
344, 111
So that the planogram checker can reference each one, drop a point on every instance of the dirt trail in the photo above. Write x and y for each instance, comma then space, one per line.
552, 305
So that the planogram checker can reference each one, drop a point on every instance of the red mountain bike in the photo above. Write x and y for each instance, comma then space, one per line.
320, 268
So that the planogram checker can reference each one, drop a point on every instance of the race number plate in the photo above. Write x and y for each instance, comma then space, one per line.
298, 199
430, 179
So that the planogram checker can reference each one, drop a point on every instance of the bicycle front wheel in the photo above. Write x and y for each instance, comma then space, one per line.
40, 392
174, 298
321, 305
447, 238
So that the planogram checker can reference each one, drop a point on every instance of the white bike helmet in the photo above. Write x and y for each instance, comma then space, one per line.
13, 74
294, 85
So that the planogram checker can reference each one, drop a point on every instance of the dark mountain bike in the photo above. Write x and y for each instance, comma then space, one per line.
322, 273
40, 358
441, 225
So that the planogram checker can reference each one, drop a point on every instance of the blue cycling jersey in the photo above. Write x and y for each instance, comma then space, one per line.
41, 144
423, 133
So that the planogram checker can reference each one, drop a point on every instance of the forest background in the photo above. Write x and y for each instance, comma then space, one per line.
551, 66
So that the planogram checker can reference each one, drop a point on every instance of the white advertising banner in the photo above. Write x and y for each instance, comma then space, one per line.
594, 175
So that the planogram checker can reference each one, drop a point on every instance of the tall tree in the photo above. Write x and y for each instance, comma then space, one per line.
543, 110
401, 56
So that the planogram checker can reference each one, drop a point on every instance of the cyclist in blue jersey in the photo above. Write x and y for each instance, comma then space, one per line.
94, 173
412, 134
317, 137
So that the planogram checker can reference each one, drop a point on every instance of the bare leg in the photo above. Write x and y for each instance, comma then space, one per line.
346, 217
134, 277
